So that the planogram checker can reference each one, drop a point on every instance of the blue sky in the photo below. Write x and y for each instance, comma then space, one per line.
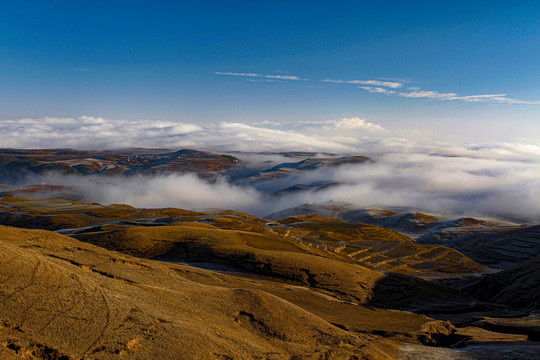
425, 65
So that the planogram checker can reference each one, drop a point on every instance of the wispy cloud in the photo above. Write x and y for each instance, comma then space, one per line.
492, 98
384, 87
498, 98
429, 95
390, 84
254, 75
375, 89
388, 88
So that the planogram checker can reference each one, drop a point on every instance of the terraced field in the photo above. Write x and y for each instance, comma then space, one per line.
377, 247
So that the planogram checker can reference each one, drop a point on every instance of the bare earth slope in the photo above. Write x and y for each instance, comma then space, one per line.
500, 249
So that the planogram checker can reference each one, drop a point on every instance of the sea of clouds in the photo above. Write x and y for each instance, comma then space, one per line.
414, 170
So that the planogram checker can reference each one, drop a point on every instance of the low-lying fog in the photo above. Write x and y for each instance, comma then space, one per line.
495, 180
461, 186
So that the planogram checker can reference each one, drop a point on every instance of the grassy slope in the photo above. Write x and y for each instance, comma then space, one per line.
65, 298
365, 244
61, 297
303, 265
276, 256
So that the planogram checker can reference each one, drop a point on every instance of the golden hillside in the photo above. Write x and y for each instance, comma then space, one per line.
63, 299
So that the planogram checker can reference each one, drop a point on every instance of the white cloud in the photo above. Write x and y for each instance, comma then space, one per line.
87, 132
334, 130
492, 98
383, 87
244, 137
429, 95
345, 135
355, 123
376, 86
252, 75
497, 98
477, 98
390, 84
379, 90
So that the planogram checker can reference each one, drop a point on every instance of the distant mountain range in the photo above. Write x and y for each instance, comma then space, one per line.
15, 163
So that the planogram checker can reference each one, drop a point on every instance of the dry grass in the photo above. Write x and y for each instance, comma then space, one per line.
308, 288
378, 247
71, 300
